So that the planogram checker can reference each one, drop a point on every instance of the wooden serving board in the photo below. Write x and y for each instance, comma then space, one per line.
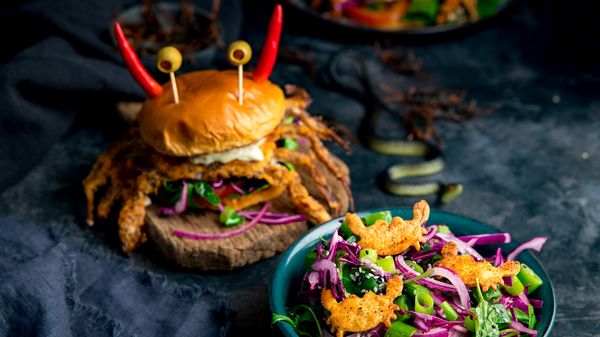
260, 242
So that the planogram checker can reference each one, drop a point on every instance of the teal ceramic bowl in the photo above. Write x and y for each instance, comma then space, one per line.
290, 268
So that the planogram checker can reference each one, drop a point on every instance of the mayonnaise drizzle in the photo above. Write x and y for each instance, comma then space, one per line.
250, 152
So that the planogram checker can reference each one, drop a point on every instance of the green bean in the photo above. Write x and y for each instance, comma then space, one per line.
529, 278
450, 313
516, 288
469, 323
400, 329
402, 302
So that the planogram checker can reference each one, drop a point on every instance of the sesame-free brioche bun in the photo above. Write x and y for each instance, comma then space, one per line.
208, 118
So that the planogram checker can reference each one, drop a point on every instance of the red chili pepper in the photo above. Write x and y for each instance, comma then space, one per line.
137, 70
268, 56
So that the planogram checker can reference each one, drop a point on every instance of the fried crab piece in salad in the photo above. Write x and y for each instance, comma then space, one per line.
356, 314
471, 271
395, 237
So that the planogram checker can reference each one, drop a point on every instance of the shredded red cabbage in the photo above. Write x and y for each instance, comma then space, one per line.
435, 332
521, 328
239, 230
325, 271
237, 189
181, 204
535, 244
430, 233
487, 239
461, 289
409, 273
498, 258
274, 218
463, 248
536, 303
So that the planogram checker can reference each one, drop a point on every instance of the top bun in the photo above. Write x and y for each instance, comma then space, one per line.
208, 118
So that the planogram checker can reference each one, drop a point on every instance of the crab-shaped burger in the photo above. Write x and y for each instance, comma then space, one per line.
211, 152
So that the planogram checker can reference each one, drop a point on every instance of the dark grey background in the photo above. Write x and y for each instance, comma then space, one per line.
530, 168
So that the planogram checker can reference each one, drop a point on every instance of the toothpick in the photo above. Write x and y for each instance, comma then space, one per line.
241, 84
174, 86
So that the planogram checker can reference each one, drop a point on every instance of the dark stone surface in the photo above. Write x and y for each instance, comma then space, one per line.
530, 168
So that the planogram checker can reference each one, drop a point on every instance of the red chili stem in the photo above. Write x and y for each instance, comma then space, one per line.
268, 56
137, 70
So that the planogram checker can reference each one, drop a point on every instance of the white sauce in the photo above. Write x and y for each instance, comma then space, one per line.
250, 152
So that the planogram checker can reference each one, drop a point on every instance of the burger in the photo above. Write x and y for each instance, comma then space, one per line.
213, 182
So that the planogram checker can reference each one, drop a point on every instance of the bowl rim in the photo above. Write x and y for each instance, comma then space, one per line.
277, 307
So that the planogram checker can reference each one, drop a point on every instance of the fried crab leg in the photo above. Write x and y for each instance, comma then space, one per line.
311, 208
133, 212
301, 159
104, 169
320, 152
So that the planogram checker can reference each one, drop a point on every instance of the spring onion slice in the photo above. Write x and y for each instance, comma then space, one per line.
201, 236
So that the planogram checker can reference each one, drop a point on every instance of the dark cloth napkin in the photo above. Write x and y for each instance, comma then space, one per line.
58, 60
48, 289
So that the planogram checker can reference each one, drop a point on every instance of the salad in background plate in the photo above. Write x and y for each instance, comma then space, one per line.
396, 15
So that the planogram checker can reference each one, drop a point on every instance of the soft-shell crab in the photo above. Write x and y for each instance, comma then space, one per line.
395, 237
471, 271
362, 313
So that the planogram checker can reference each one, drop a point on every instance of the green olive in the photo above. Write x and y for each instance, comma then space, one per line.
239, 52
169, 59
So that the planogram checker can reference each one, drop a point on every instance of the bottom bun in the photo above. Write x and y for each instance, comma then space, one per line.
260, 242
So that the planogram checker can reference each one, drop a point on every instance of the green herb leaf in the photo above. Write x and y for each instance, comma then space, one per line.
169, 192
487, 8
230, 218
492, 295
489, 318
386, 216
423, 11
302, 318
289, 143
375, 6
279, 317
205, 190
289, 120
532, 319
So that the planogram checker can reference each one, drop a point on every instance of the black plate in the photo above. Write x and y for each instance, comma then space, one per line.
302, 7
